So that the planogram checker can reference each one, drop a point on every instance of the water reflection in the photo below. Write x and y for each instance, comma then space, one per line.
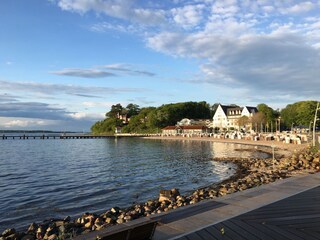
43, 179
237, 150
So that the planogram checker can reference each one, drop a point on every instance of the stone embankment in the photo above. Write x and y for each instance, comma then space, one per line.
250, 173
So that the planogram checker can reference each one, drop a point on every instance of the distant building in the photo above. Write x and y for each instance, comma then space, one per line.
170, 130
196, 122
117, 130
195, 129
227, 117
185, 122
124, 117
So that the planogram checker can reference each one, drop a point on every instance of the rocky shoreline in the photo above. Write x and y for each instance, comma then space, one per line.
250, 173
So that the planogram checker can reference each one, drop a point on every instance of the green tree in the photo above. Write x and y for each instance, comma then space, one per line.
258, 120
243, 121
270, 115
299, 113
139, 123
132, 109
115, 110
106, 126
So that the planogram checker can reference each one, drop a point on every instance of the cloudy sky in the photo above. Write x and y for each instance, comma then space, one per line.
63, 63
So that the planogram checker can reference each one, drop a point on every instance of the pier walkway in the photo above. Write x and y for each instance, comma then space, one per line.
67, 136
286, 209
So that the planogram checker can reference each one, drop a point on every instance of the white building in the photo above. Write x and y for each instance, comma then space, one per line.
226, 117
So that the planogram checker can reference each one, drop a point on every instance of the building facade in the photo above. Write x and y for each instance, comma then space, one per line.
227, 117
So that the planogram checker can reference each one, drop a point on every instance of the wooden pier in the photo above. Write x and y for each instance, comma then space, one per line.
69, 136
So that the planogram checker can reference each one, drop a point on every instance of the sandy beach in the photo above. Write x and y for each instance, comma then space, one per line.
280, 147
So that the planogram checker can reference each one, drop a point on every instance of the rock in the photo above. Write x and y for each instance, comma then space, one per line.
40, 232
67, 219
165, 195
98, 226
32, 228
28, 237
110, 220
169, 195
13, 236
120, 220
8, 232
53, 237
175, 192
88, 224
59, 223
150, 203
223, 191
115, 210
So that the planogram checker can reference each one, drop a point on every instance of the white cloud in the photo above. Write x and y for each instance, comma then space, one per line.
226, 8
228, 27
87, 116
300, 8
188, 16
23, 123
83, 73
99, 71
279, 62
97, 104
120, 9
74, 90
251, 44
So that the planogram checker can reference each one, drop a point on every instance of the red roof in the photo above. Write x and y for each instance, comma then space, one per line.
169, 128
194, 127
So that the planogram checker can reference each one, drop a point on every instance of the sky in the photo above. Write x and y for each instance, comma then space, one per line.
63, 63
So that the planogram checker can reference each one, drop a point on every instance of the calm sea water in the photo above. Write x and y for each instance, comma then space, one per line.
42, 179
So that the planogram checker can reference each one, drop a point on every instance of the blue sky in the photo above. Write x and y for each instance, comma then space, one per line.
63, 63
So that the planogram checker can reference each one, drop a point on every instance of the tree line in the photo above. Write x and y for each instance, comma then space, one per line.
152, 119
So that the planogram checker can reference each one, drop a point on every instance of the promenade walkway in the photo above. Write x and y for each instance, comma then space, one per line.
286, 209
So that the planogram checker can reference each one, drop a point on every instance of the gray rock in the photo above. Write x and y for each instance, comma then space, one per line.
8, 232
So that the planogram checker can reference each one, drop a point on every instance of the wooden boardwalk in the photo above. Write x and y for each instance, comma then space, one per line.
293, 218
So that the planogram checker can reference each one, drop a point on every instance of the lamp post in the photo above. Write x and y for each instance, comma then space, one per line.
279, 119
273, 147
309, 133
314, 126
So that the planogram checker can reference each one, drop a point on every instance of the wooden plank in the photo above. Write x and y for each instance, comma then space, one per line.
267, 234
217, 233
279, 231
188, 212
312, 232
183, 238
242, 229
297, 223
205, 234
249, 228
194, 236
293, 218
302, 235
222, 227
